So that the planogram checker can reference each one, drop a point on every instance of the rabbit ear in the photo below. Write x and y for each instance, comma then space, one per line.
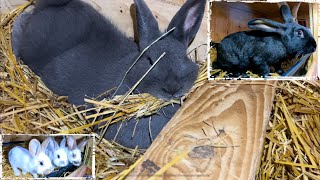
51, 144
44, 145
56, 145
187, 20
63, 142
72, 143
286, 14
82, 144
147, 24
266, 25
34, 147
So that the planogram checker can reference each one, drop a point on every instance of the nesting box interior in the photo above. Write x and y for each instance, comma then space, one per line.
11, 141
230, 17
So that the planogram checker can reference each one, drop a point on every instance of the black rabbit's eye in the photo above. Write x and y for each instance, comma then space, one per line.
150, 60
300, 33
58, 156
41, 163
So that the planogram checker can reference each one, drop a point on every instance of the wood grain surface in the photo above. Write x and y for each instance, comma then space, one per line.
221, 127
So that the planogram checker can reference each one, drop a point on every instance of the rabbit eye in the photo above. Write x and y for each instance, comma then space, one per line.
58, 156
300, 33
74, 155
41, 163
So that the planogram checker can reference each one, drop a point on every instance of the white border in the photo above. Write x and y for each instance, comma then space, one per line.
259, 79
93, 136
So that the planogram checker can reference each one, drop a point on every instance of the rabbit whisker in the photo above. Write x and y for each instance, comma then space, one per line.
150, 132
128, 93
144, 50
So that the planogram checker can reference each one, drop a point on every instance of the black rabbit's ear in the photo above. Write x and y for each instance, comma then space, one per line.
187, 20
147, 24
286, 14
266, 25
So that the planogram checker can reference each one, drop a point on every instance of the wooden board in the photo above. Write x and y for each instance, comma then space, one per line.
221, 127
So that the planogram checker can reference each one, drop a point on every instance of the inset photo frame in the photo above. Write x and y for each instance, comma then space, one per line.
48, 156
263, 40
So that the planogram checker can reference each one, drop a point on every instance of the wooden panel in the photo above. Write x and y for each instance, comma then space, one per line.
221, 127
8, 5
228, 18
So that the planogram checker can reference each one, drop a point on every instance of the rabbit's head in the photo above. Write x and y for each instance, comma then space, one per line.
41, 161
175, 73
297, 39
59, 153
74, 152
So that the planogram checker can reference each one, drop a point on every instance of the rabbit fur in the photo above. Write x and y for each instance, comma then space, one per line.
57, 154
269, 44
74, 150
34, 161
77, 52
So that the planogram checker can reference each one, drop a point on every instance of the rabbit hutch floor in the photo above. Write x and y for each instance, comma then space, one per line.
229, 17
289, 146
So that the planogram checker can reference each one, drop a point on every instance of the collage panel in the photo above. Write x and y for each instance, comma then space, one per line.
263, 40
48, 156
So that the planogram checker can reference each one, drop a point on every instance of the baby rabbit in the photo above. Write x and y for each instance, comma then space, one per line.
34, 161
57, 154
74, 152
268, 45
78, 52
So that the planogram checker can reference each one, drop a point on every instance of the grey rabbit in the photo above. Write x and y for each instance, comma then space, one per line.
77, 52
269, 44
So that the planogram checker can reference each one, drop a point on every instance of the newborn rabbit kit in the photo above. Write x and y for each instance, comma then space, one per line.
33, 156
263, 40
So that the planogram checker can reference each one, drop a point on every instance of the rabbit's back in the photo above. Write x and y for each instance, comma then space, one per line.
21, 158
78, 50
242, 49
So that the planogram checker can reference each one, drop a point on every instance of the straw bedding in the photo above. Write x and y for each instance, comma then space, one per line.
292, 144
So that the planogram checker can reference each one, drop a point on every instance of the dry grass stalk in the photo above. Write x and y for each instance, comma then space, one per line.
292, 147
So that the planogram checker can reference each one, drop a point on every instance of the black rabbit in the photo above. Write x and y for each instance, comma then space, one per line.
268, 45
78, 52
